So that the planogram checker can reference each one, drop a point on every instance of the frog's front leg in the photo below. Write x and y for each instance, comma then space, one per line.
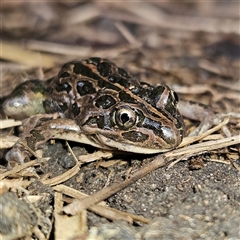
37, 130
40, 128
32, 136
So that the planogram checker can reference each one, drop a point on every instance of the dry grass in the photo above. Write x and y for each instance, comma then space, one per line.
193, 47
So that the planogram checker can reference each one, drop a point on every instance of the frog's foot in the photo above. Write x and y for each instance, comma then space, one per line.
213, 120
17, 154
33, 135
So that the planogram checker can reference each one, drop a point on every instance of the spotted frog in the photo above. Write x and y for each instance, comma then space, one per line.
103, 105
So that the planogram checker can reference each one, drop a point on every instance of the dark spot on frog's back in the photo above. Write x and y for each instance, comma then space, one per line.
104, 84
125, 97
123, 73
94, 60
105, 102
117, 79
85, 71
85, 87
63, 87
105, 69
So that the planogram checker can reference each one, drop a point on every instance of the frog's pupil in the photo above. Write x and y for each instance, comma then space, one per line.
124, 118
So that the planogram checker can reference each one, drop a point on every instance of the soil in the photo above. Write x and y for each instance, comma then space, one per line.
181, 203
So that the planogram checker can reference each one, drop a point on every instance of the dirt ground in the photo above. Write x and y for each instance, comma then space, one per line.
192, 47
181, 203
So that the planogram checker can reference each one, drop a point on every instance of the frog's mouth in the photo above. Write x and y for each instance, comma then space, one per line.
109, 144
74, 133
126, 147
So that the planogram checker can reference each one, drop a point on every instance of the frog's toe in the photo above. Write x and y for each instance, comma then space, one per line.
17, 154
201, 128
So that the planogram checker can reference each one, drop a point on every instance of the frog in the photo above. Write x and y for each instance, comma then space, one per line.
95, 102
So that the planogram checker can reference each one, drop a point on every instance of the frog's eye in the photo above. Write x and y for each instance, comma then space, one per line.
125, 117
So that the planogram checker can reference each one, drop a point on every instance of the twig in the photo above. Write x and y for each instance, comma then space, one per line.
101, 208
78, 205
22, 166
63, 177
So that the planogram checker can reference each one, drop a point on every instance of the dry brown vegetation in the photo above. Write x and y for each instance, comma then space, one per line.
192, 192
